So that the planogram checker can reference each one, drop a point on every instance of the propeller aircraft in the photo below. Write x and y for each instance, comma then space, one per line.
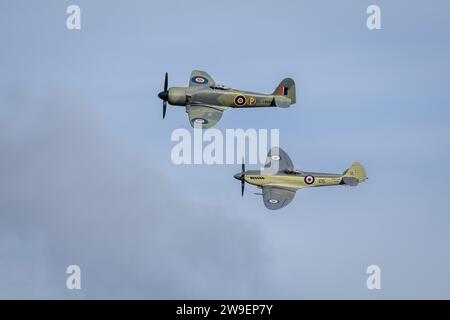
279, 185
205, 101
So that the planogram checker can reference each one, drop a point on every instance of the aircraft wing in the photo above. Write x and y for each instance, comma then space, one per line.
200, 79
203, 116
277, 160
276, 198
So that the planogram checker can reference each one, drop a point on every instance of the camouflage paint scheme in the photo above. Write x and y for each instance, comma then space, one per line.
279, 185
205, 101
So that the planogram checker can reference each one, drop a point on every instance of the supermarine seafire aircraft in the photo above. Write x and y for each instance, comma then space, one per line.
205, 101
279, 185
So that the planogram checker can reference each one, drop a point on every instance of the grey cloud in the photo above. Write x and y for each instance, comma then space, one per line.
71, 193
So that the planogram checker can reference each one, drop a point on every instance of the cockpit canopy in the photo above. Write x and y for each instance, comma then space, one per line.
220, 87
294, 172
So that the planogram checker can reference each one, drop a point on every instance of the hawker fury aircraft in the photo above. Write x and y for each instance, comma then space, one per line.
205, 101
279, 180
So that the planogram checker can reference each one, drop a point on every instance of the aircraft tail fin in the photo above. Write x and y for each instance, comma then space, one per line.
286, 88
354, 175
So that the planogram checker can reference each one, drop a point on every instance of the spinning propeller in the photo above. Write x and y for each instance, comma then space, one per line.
241, 176
164, 95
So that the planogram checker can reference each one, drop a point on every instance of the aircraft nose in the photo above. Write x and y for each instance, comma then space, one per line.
164, 95
239, 176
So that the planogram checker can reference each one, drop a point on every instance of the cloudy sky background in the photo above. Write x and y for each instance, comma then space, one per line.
86, 176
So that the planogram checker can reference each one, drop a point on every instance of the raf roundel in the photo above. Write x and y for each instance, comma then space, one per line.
309, 179
273, 201
199, 80
239, 100
276, 158
199, 121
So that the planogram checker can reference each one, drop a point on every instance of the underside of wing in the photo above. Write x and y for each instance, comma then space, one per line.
200, 79
276, 198
277, 160
203, 117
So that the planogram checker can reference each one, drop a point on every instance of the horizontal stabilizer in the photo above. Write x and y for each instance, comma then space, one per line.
351, 181
282, 102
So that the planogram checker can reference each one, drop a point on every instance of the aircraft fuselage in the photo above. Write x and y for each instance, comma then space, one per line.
231, 98
293, 180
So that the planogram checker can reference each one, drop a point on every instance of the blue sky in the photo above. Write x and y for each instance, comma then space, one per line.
87, 176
